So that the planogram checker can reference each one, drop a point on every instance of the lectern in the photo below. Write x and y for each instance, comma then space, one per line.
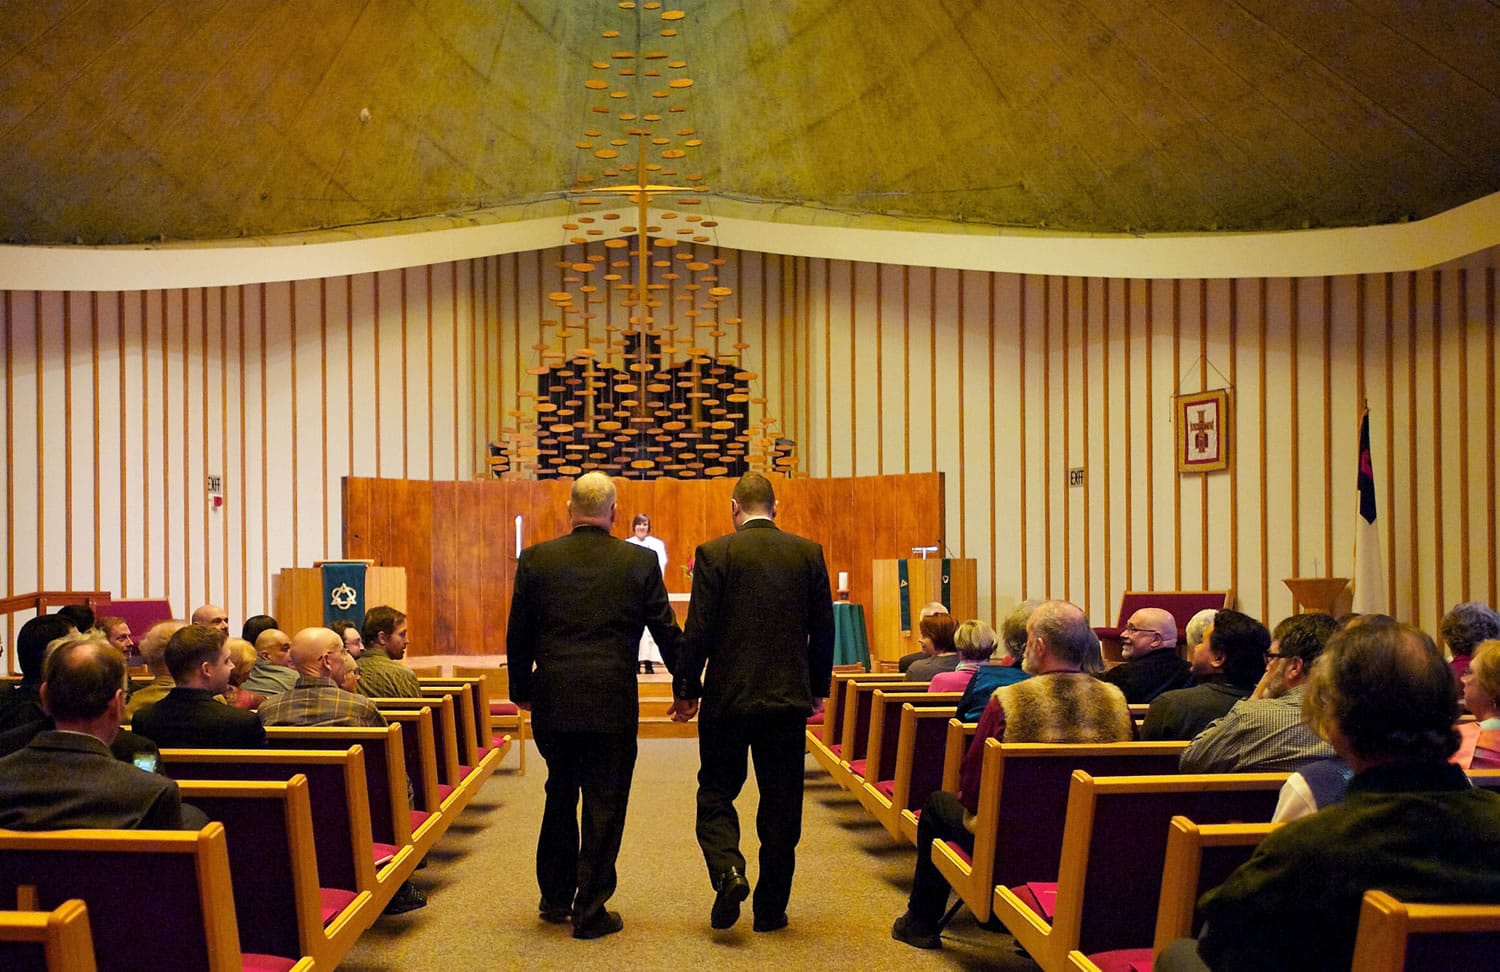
297, 593
1320, 595
902, 587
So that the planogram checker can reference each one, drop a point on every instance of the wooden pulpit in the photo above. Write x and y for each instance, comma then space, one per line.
913, 583
297, 593
1320, 595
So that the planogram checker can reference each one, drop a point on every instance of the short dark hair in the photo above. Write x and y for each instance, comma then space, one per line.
32, 641
1304, 635
754, 493
1386, 688
380, 620
81, 680
341, 625
940, 628
190, 647
638, 519
81, 615
1242, 641
257, 624
1468, 623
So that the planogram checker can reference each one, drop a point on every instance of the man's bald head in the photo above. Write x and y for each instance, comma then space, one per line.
310, 648
273, 645
1147, 630
212, 616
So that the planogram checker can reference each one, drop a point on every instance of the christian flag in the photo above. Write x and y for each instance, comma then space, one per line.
1369, 567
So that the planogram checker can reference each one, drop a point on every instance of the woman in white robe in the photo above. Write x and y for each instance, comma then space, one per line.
650, 655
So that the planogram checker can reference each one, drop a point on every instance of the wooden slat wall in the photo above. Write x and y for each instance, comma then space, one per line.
457, 540
117, 405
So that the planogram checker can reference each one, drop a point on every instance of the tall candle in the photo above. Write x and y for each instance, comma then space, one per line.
843, 580
518, 535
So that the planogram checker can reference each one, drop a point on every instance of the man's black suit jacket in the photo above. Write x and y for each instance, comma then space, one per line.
62, 780
189, 718
761, 618
580, 604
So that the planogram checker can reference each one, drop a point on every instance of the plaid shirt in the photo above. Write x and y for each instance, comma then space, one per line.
318, 701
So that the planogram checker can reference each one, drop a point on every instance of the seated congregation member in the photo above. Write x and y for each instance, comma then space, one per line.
1227, 664
21, 704
1411, 823
242, 655
117, 632
190, 716
1059, 704
928, 610
349, 631
154, 654
1464, 627
1197, 626
937, 642
80, 615
1265, 732
212, 616
67, 776
272, 672
975, 642
1482, 684
1007, 670
256, 624
319, 699
1148, 643
381, 676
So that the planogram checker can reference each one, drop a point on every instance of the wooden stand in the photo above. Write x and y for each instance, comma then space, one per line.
925, 583
297, 593
1320, 595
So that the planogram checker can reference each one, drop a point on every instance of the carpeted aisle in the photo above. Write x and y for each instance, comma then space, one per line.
851, 884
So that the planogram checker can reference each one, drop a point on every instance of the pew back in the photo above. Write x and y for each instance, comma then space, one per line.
1396, 936
47, 941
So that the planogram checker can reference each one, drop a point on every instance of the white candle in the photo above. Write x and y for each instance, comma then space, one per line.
518, 535
843, 580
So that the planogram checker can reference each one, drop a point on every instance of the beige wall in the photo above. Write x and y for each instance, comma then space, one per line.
1000, 380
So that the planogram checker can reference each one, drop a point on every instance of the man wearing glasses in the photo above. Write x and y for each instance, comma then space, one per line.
1152, 665
1265, 733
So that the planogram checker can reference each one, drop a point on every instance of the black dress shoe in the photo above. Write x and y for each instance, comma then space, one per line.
554, 914
604, 923
770, 923
916, 932
408, 897
733, 888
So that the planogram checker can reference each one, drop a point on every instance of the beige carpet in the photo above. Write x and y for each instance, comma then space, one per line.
852, 882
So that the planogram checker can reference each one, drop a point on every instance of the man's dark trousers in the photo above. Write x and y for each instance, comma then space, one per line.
576, 864
776, 744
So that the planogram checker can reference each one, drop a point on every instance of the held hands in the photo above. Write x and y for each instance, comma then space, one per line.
683, 710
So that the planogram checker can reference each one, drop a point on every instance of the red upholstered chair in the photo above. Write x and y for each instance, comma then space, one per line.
1182, 605
47, 941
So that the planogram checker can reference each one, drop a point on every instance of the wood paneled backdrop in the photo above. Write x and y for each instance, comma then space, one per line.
457, 541
117, 405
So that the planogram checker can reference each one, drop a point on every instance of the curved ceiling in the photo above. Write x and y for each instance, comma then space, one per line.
128, 121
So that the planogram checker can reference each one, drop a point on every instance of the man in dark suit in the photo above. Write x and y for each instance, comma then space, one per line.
189, 716
66, 776
580, 604
761, 617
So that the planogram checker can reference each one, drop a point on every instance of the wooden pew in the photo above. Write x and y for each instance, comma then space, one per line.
269, 829
957, 737
392, 818
1114, 845
419, 742
482, 749
47, 941
825, 745
879, 761
859, 697
917, 766
505, 717
184, 875
348, 857
1395, 936
457, 782
1019, 840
